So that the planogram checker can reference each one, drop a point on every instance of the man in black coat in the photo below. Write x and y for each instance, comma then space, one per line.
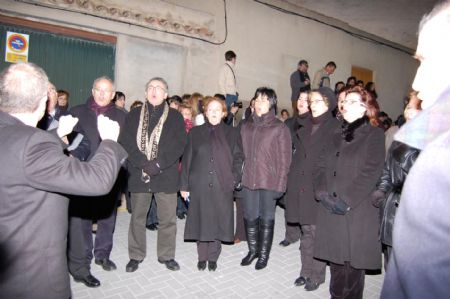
299, 82
103, 210
154, 137
35, 176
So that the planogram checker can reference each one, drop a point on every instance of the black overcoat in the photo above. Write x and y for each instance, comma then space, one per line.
301, 206
350, 171
210, 215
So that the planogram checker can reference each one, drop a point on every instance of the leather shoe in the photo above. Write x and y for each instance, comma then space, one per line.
132, 265
171, 264
311, 285
152, 226
285, 243
300, 281
212, 266
90, 281
201, 265
106, 264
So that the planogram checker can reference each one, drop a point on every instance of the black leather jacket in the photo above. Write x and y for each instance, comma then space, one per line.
400, 158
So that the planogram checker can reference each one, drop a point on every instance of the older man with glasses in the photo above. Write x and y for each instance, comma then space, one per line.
154, 136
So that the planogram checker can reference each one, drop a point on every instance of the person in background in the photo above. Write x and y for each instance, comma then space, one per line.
360, 83
211, 169
418, 267
119, 100
268, 153
53, 111
63, 99
299, 82
399, 160
347, 222
174, 102
351, 81
136, 104
284, 115
338, 87
35, 184
250, 109
370, 87
322, 76
196, 102
227, 79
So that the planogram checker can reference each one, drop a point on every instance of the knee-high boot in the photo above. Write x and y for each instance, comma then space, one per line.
265, 242
251, 231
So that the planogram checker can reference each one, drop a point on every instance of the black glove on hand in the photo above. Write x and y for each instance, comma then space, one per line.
151, 168
377, 197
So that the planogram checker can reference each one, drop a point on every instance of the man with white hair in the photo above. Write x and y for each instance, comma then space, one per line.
35, 176
420, 262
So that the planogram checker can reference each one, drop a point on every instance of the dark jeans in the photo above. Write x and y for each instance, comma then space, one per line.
346, 282
259, 204
230, 99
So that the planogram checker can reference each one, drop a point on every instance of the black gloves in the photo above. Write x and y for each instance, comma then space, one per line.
151, 168
377, 197
334, 204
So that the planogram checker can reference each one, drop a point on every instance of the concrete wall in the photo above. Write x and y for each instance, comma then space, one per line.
268, 44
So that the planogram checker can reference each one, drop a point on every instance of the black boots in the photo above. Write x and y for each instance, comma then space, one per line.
265, 243
251, 232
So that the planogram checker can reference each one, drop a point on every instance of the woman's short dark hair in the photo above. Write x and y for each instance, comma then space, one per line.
270, 94
175, 99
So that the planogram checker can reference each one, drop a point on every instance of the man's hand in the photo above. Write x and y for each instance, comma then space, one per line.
107, 128
184, 194
234, 109
66, 125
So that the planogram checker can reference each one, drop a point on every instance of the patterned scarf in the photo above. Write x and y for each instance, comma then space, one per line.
148, 145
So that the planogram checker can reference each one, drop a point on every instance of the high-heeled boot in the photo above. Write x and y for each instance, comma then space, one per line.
265, 242
251, 232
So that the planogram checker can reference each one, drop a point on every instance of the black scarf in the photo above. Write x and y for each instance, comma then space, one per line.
222, 156
348, 129
319, 120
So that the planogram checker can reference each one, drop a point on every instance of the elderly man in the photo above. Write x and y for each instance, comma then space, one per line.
299, 82
103, 209
419, 266
35, 175
154, 137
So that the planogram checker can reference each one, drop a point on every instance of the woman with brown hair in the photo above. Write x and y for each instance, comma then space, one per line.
211, 168
347, 222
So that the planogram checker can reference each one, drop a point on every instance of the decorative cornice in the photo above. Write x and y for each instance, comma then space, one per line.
135, 16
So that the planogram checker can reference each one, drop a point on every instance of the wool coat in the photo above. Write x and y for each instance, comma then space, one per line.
33, 209
170, 149
210, 215
268, 153
350, 170
301, 206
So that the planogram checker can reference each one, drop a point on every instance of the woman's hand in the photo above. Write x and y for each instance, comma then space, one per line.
184, 194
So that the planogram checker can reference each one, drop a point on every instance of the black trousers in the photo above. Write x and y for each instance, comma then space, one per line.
346, 282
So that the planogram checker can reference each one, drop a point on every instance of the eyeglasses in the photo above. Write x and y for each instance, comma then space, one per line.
352, 102
314, 102
158, 89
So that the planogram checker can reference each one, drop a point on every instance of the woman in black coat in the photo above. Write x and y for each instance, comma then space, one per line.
400, 158
347, 222
211, 167
301, 206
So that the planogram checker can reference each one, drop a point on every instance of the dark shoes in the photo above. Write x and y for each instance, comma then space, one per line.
201, 265
132, 265
251, 232
265, 242
212, 266
181, 215
171, 265
285, 243
311, 285
106, 264
300, 281
89, 281
152, 226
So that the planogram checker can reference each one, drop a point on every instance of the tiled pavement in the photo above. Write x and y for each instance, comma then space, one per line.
153, 280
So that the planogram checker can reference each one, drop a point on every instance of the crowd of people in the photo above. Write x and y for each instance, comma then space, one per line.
330, 166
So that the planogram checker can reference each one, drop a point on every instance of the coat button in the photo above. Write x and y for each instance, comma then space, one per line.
334, 173
337, 154
334, 194
210, 185
211, 160
210, 172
